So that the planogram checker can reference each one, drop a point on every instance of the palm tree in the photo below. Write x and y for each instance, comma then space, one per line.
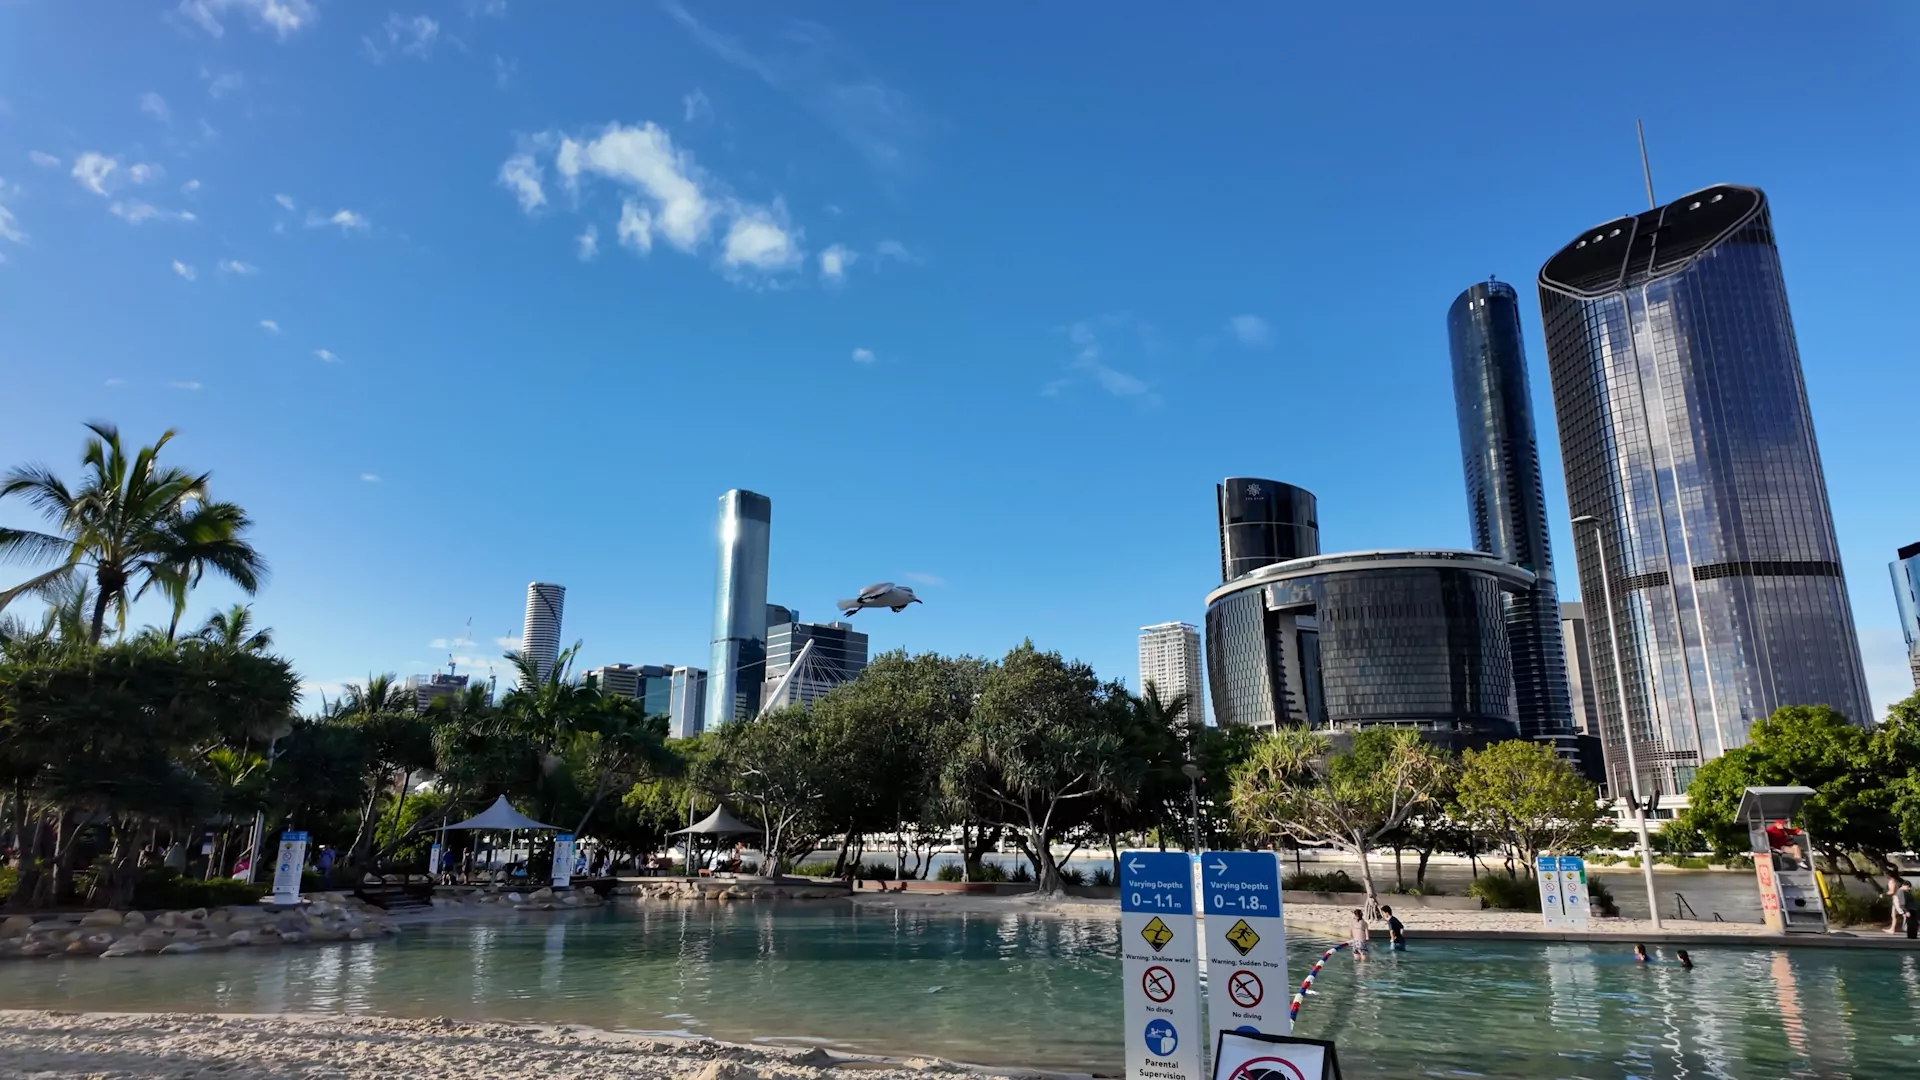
233, 629
135, 525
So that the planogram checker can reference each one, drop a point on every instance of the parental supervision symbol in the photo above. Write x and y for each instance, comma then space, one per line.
1242, 937
1158, 934
1245, 989
1158, 983
1162, 1039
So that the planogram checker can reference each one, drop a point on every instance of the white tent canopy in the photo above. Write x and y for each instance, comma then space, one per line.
501, 816
718, 823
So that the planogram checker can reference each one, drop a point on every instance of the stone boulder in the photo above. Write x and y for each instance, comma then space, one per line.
102, 917
240, 937
134, 920
15, 926
542, 895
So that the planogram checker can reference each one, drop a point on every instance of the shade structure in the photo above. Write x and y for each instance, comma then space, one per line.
502, 816
718, 823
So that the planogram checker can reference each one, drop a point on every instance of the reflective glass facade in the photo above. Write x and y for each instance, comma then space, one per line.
1506, 504
1685, 431
839, 656
1906, 597
1406, 638
687, 703
1263, 522
740, 608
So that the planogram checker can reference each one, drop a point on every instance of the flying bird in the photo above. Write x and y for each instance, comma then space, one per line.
886, 595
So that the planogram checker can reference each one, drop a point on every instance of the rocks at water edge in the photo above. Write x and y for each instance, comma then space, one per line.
112, 934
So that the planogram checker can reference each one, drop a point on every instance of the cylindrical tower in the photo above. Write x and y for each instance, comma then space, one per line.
540, 634
740, 608
1263, 522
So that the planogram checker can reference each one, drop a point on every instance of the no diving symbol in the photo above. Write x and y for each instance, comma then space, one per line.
1245, 989
1158, 984
1267, 1068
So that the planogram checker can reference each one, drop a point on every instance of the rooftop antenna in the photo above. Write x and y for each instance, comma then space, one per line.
1645, 169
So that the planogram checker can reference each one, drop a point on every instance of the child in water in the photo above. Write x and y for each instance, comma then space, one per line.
1640, 954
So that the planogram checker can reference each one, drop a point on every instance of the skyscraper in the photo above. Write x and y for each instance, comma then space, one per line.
687, 706
740, 608
839, 655
649, 684
1170, 663
1686, 436
540, 636
1263, 522
1906, 596
1506, 505
1574, 639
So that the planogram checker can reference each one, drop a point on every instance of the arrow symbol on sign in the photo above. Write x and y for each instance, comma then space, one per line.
1220, 867
1133, 865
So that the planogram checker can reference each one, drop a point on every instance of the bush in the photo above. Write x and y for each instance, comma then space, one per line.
164, 889
1103, 878
1603, 860
1022, 874
950, 872
955, 872
1685, 862
1417, 890
875, 872
814, 869
1072, 877
1849, 909
1600, 898
1739, 862
1505, 893
1314, 881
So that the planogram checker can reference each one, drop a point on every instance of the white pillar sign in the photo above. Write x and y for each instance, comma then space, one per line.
288, 866
1246, 943
1158, 946
1553, 914
562, 860
1575, 903
433, 862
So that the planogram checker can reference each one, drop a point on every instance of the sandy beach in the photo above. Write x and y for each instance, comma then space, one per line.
175, 1046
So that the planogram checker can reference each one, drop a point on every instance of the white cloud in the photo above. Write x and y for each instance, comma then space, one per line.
189, 187
413, 35
509, 642
285, 201
327, 355
863, 356
521, 175
184, 270
503, 71
759, 240
184, 384
1090, 359
587, 244
10, 227
636, 227
492, 8
644, 157
92, 168
283, 17
133, 212
834, 262
269, 326
371, 478
1248, 329
144, 174
925, 579
219, 86
156, 106
235, 266
346, 220
894, 249
697, 106
43, 159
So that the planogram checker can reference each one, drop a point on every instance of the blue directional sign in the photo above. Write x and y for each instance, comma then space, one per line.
1240, 883
1160, 882
1162, 1039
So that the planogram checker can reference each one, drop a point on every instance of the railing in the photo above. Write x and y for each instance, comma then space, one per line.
1684, 910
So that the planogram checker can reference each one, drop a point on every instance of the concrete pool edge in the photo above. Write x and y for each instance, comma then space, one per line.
1842, 940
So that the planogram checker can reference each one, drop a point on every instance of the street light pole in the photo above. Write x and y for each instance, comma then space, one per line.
1626, 731
1192, 772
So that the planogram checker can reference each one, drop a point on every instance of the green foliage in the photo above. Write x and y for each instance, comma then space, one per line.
1600, 898
1529, 799
1022, 874
1103, 878
1851, 909
1073, 877
949, 872
164, 889
1319, 881
1506, 893
813, 869
876, 872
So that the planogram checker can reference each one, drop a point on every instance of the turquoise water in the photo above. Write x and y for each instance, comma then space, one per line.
1019, 990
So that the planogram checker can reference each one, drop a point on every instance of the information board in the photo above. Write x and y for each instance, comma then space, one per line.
288, 866
1576, 904
1159, 969
1246, 942
562, 860
1553, 915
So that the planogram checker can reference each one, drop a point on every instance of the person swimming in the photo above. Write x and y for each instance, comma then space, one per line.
1640, 954
1685, 960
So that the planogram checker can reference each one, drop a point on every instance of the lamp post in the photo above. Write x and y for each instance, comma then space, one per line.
1192, 772
1626, 731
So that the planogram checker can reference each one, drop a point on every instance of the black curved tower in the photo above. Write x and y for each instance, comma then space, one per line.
1263, 522
1505, 501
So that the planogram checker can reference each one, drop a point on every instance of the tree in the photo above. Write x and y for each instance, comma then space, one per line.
1852, 810
1530, 799
1041, 746
132, 523
772, 767
234, 629
395, 741
1295, 786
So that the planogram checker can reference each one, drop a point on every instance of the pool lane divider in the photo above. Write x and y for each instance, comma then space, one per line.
1306, 984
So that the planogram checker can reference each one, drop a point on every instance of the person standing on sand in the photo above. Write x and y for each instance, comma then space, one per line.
1358, 937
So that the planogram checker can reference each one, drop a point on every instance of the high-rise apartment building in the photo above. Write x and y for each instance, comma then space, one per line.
1574, 641
429, 688
687, 703
1263, 522
839, 656
1687, 440
540, 636
1506, 503
740, 608
1170, 663
649, 684
1906, 596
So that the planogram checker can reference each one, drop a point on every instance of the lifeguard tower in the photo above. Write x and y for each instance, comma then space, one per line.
1783, 859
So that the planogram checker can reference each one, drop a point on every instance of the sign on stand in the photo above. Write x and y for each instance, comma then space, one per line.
1256, 1056
1247, 984
1158, 942
562, 860
288, 867
1552, 915
1564, 901
433, 862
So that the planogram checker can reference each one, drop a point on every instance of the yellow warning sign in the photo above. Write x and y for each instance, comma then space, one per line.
1241, 937
1158, 933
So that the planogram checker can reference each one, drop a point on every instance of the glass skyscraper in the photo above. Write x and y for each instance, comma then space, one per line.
1263, 522
1685, 432
1506, 504
1906, 597
740, 608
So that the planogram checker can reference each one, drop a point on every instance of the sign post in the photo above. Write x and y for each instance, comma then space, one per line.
1158, 949
1553, 914
562, 860
1247, 984
1575, 903
1260, 1056
288, 867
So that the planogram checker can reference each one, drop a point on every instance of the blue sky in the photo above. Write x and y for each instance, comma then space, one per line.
461, 294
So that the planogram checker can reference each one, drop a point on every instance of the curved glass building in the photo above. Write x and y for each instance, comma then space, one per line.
1264, 522
1685, 432
1506, 503
740, 608
1408, 638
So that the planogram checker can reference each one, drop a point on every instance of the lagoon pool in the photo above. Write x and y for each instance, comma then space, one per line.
1038, 991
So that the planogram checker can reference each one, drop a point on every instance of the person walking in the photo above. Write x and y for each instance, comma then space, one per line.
325, 865
1359, 936
1901, 896
1396, 930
